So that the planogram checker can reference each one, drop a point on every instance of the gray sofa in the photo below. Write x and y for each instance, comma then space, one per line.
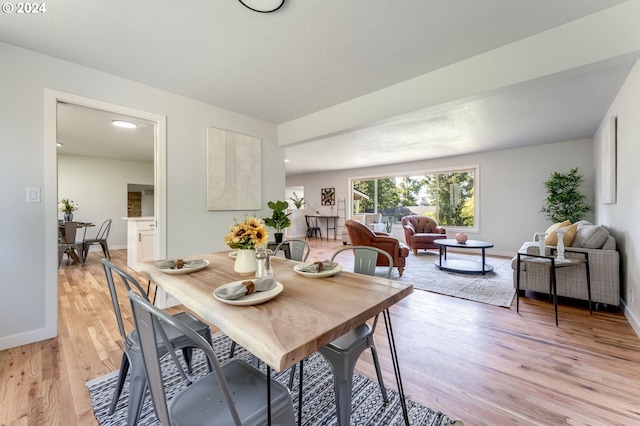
604, 266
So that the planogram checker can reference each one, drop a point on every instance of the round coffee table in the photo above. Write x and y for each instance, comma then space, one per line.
462, 265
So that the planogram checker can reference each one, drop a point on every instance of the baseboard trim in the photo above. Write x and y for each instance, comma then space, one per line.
633, 321
26, 338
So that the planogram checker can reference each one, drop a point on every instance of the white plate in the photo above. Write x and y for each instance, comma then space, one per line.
187, 269
252, 299
321, 274
233, 254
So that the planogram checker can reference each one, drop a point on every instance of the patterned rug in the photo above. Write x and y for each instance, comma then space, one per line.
318, 404
494, 288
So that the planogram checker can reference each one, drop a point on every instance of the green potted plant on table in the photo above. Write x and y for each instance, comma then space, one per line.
564, 199
279, 220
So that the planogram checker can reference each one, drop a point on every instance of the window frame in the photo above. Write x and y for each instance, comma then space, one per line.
475, 168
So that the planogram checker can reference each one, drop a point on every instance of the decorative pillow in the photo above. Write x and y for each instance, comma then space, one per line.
591, 236
551, 234
569, 235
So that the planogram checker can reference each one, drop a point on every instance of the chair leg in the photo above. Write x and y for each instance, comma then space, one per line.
292, 373
105, 250
400, 270
376, 363
122, 375
85, 251
343, 387
137, 390
186, 353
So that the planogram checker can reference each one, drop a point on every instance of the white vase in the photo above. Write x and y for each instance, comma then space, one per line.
541, 243
246, 263
560, 257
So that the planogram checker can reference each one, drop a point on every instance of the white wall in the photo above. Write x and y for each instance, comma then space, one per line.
28, 306
621, 218
99, 186
510, 186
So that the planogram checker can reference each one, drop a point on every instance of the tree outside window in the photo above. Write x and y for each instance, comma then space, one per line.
448, 197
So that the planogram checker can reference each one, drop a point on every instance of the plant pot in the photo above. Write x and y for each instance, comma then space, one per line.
278, 236
246, 262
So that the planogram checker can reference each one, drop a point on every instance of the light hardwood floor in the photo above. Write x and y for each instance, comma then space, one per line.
482, 364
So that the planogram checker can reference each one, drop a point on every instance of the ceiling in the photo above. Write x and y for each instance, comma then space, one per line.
309, 56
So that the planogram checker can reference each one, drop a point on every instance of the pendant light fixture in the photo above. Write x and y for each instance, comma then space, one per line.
262, 6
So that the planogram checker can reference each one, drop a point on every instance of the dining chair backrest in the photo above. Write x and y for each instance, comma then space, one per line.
70, 230
103, 232
129, 282
365, 259
147, 317
298, 250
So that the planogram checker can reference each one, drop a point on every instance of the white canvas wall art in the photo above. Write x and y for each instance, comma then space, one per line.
233, 171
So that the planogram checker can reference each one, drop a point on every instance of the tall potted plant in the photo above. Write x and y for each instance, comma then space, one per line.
564, 199
279, 220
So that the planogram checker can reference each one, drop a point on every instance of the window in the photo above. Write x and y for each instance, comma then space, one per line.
446, 195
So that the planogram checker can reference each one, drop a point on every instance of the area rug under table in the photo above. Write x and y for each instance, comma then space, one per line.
318, 406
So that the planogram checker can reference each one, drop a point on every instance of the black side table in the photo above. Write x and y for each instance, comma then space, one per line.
553, 265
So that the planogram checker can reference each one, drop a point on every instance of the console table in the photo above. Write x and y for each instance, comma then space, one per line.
327, 219
553, 263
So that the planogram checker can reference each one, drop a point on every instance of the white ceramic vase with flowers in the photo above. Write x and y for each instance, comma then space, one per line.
246, 237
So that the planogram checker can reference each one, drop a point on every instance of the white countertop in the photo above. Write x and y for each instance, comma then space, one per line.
139, 218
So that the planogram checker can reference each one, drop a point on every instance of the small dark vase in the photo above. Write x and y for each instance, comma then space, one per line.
68, 217
278, 236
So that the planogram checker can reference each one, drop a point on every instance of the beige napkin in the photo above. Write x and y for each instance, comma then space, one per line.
241, 289
173, 264
316, 267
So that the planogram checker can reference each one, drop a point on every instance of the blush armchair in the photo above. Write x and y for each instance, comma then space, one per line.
361, 235
420, 232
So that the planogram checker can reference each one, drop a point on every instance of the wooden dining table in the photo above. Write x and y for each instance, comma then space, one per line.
308, 313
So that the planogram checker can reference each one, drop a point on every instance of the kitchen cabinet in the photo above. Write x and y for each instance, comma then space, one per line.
141, 239
141, 247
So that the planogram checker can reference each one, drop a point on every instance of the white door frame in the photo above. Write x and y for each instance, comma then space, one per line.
50, 193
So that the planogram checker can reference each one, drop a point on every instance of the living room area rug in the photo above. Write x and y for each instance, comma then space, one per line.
318, 407
493, 288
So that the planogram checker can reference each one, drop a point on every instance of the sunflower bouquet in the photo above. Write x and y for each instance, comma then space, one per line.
249, 234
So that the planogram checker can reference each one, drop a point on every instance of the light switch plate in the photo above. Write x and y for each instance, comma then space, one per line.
33, 195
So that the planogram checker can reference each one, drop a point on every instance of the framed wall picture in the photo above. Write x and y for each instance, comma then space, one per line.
328, 196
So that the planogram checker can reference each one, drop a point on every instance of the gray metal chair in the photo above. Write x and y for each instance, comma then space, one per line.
132, 356
101, 238
234, 393
343, 352
68, 242
298, 249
